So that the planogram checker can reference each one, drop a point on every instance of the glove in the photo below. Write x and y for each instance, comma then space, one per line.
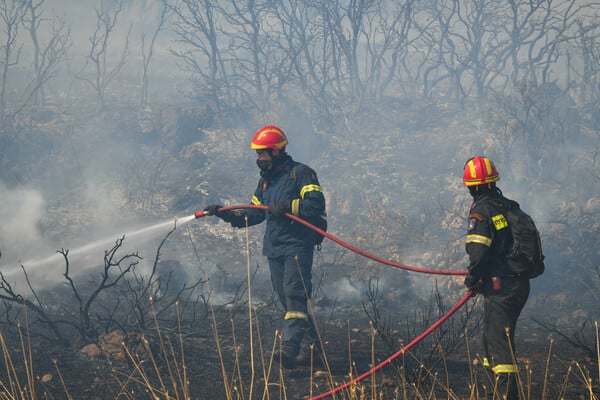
280, 208
474, 283
213, 210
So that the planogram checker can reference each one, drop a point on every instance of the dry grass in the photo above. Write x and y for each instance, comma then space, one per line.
164, 373
169, 379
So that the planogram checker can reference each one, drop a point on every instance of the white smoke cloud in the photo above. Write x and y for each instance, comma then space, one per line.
22, 240
21, 212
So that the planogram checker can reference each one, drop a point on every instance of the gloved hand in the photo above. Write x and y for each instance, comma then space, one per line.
212, 210
474, 283
280, 208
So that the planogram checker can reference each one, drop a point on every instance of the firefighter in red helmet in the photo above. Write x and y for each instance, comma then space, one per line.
505, 294
285, 186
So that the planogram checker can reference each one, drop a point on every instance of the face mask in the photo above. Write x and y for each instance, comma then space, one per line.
264, 165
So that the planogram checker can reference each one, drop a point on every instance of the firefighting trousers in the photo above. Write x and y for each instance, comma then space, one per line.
291, 277
504, 300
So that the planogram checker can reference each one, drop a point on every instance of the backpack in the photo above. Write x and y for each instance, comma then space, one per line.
320, 221
525, 256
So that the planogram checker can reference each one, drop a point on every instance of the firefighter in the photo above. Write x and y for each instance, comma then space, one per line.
488, 241
285, 186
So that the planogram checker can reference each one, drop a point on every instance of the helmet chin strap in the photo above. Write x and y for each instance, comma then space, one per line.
480, 189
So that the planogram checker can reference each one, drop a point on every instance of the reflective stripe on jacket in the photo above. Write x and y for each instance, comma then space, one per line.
283, 236
488, 237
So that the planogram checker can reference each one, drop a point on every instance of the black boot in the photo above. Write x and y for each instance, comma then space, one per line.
507, 386
310, 354
310, 348
286, 355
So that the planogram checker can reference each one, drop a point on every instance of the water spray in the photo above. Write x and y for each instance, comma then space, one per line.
44, 269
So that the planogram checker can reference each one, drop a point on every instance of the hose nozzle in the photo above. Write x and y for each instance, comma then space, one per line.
199, 214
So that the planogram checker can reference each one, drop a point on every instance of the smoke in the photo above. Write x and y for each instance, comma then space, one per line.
23, 244
21, 212
408, 162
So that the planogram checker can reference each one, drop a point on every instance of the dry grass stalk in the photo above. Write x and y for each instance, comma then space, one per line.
250, 313
175, 385
597, 350
545, 386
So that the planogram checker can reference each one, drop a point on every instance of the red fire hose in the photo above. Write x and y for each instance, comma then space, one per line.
400, 352
403, 350
201, 214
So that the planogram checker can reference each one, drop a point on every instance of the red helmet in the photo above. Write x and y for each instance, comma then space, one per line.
479, 171
269, 137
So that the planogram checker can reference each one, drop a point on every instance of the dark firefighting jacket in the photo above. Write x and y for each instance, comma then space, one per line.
488, 241
298, 183
488, 236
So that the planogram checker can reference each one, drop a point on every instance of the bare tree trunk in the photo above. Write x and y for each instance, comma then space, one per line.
11, 16
106, 20
46, 57
195, 27
146, 58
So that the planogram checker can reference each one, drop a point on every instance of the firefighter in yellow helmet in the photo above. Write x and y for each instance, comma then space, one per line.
285, 186
505, 294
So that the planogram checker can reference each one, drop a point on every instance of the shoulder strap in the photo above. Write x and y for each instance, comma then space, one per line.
293, 173
296, 166
512, 204
499, 204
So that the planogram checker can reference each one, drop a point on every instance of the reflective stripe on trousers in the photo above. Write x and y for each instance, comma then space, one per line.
295, 315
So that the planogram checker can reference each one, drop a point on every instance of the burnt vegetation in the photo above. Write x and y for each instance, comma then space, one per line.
137, 111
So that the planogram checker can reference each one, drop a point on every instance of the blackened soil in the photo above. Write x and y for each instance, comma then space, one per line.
229, 367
